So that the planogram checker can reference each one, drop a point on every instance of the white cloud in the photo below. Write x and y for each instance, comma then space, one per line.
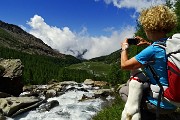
104, 45
109, 29
53, 36
68, 42
136, 4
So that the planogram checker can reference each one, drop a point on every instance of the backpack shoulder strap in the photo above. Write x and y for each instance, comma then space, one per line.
161, 44
161, 91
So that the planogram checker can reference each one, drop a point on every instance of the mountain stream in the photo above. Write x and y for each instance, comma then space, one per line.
70, 107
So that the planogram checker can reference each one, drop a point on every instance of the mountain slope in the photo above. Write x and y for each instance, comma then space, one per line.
111, 58
12, 36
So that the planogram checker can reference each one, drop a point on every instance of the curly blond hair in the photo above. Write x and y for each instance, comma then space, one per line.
158, 18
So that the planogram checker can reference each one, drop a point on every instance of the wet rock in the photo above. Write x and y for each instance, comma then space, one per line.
48, 106
29, 94
72, 88
34, 90
43, 90
60, 93
75, 89
11, 105
29, 88
65, 115
82, 89
56, 86
85, 97
103, 92
50, 93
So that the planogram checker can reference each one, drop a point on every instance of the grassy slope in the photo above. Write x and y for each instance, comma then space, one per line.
112, 112
97, 68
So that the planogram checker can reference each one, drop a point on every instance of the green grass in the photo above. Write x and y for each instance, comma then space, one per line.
97, 68
112, 112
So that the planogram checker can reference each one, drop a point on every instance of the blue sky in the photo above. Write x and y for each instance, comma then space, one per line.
96, 16
72, 26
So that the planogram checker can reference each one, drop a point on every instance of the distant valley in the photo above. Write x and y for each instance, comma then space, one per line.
42, 63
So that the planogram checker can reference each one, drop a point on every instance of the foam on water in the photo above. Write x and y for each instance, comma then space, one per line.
69, 108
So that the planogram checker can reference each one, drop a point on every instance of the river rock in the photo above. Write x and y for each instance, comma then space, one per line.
89, 82
50, 93
56, 86
11, 105
48, 106
85, 97
103, 92
100, 83
68, 83
95, 83
28, 88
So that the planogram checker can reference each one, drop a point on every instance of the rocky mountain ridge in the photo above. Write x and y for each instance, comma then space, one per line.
14, 37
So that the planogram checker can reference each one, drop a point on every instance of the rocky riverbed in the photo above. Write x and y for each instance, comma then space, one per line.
71, 101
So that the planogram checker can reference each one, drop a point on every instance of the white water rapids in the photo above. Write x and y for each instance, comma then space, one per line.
70, 108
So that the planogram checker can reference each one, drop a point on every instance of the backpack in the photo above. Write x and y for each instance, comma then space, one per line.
172, 93
172, 48
173, 67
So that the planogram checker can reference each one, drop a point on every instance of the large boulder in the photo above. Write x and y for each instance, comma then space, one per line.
12, 67
12, 106
11, 76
